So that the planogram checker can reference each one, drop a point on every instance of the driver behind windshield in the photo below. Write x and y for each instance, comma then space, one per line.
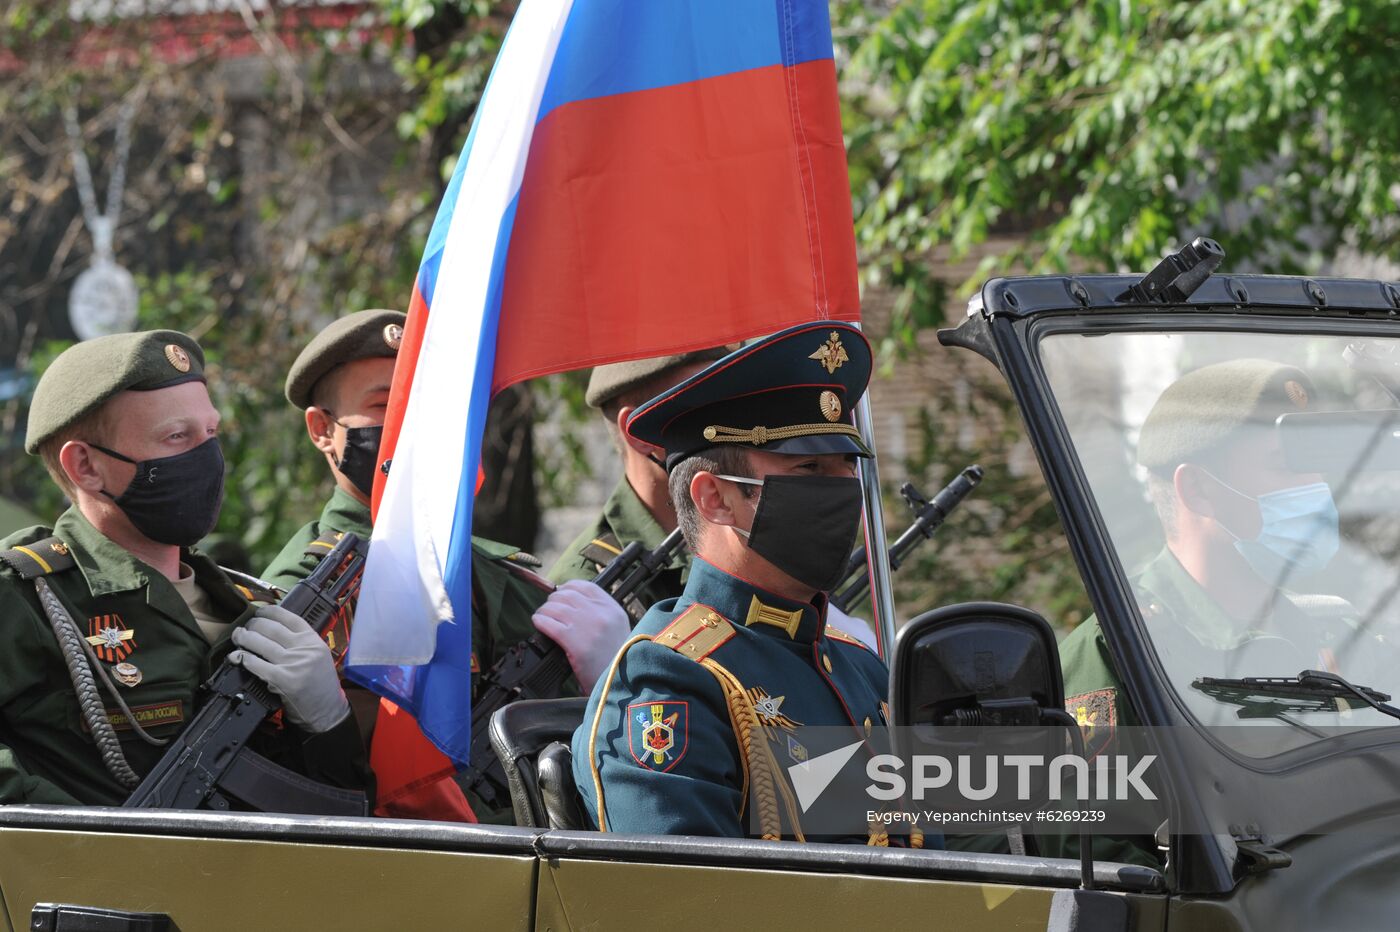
1241, 531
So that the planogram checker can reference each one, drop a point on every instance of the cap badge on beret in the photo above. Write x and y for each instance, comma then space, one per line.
830, 405
178, 357
393, 336
831, 355
1296, 393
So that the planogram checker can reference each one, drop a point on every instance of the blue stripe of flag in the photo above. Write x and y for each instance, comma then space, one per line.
618, 46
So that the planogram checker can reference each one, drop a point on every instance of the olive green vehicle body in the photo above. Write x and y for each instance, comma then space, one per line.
215, 871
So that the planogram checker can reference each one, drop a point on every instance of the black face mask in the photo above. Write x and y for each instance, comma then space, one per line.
361, 456
174, 500
806, 525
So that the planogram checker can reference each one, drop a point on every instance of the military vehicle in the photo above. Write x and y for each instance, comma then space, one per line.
1085, 356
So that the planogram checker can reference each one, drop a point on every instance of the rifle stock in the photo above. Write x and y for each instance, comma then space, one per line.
209, 763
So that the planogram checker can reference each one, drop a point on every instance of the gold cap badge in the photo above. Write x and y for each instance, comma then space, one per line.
393, 336
831, 354
830, 405
1296, 393
177, 357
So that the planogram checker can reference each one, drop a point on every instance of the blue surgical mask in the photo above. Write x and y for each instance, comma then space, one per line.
1298, 531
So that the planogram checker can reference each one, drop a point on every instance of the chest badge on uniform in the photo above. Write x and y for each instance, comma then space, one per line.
111, 639
128, 674
796, 750
658, 733
769, 709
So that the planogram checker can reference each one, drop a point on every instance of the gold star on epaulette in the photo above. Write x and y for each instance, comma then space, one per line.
831, 354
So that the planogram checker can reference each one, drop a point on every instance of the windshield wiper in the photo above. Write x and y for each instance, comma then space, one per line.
1308, 685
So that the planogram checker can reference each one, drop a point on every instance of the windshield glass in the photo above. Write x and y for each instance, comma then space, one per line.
1251, 487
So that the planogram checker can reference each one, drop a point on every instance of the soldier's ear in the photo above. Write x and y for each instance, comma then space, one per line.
79, 466
649, 450
712, 499
320, 427
1190, 485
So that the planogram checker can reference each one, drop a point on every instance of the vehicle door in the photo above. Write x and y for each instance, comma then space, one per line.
205, 870
1282, 807
591, 880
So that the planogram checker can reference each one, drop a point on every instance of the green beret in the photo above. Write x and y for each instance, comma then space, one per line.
87, 374
608, 382
1200, 411
362, 335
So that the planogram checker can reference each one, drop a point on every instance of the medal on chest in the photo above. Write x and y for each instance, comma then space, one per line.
112, 641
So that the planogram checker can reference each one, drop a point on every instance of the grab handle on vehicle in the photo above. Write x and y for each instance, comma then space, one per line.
64, 917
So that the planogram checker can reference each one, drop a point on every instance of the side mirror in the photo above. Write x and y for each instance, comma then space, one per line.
985, 664
977, 663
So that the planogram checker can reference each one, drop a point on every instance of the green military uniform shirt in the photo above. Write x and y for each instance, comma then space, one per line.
46, 752
1195, 637
503, 596
624, 519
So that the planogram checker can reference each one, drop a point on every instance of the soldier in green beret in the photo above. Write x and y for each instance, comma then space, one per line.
110, 621
639, 508
1240, 526
694, 728
341, 383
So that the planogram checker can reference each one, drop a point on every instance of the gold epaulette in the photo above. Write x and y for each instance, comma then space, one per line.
323, 544
696, 633
40, 558
836, 634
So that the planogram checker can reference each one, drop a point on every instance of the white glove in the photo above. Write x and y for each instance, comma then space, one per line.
857, 628
279, 648
588, 623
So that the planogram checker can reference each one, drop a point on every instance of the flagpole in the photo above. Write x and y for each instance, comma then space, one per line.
876, 546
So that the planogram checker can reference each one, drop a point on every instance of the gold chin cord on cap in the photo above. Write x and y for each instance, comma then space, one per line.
758, 436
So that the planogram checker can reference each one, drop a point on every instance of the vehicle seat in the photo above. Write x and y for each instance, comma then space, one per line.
557, 788
519, 731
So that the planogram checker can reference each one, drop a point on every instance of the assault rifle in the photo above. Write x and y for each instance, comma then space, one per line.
536, 668
928, 516
209, 764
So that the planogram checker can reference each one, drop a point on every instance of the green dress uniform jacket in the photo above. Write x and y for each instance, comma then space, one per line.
46, 752
706, 674
624, 519
505, 593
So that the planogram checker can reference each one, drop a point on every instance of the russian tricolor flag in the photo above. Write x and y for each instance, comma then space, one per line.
642, 177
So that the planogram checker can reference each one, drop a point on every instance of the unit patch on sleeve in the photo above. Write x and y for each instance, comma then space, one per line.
658, 733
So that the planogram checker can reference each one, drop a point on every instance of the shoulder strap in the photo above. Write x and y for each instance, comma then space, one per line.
323, 544
696, 632
836, 634
40, 558
252, 588
601, 549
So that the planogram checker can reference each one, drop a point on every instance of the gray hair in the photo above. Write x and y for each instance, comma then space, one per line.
731, 461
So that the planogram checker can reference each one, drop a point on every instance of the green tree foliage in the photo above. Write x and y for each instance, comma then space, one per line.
1038, 135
